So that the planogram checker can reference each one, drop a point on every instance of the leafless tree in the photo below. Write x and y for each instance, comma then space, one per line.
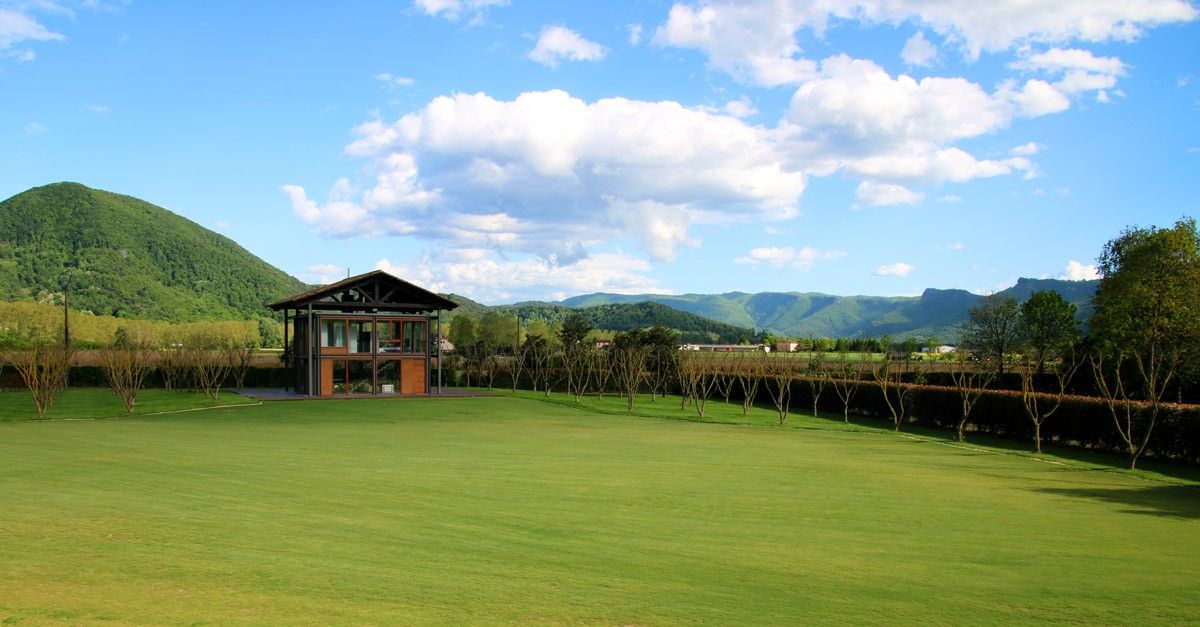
845, 382
779, 372
43, 367
1128, 414
209, 365
1041, 406
817, 377
629, 369
600, 361
897, 395
172, 362
970, 382
577, 361
239, 353
702, 376
749, 374
126, 365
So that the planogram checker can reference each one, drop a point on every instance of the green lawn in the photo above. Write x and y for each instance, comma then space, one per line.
77, 403
514, 510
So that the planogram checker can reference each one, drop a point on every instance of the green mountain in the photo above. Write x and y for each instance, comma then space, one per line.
121, 256
616, 317
935, 313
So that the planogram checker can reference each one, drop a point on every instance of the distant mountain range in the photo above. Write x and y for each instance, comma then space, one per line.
935, 313
122, 256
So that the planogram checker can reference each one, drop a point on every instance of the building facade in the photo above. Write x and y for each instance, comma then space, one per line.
369, 334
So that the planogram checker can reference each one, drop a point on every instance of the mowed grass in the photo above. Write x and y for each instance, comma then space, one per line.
514, 510
87, 403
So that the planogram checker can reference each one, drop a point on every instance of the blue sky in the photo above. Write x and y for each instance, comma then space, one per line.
516, 150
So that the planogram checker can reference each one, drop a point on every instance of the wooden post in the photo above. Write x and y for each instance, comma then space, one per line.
311, 334
288, 362
439, 351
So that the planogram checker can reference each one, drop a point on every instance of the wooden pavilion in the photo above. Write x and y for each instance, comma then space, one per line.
369, 334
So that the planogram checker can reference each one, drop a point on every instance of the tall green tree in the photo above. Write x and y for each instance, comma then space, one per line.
462, 331
1048, 325
992, 329
1145, 326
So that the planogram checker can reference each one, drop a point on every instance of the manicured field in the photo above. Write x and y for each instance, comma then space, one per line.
515, 510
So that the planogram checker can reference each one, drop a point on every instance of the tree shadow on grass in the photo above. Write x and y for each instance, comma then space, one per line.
1171, 501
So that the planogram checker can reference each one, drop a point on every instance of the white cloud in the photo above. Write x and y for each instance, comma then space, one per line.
323, 273
758, 42
1076, 271
98, 109
788, 257
950, 198
17, 27
918, 50
876, 194
1025, 150
455, 9
559, 43
858, 117
754, 42
35, 128
569, 175
635, 34
741, 108
898, 269
392, 80
955, 246
483, 275
1037, 98
1076, 70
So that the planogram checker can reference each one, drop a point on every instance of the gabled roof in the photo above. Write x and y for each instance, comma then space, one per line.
375, 290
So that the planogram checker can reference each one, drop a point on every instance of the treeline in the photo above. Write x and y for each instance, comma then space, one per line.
27, 324
1141, 350
498, 326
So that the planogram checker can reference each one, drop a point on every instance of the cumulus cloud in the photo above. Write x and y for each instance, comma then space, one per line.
482, 274
567, 175
757, 42
323, 273
1025, 150
876, 194
741, 108
858, 117
1076, 271
454, 10
898, 269
950, 198
788, 257
559, 43
918, 50
1076, 70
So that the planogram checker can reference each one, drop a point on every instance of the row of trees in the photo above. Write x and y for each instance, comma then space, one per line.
200, 362
1141, 342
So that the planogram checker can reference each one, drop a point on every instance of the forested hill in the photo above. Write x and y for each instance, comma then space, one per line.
935, 313
126, 257
616, 317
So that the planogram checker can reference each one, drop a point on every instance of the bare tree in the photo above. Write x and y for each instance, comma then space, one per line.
702, 377
239, 353
43, 367
970, 382
817, 377
126, 365
779, 373
748, 369
602, 369
845, 382
1041, 406
1128, 415
897, 395
172, 362
629, 369
209, 366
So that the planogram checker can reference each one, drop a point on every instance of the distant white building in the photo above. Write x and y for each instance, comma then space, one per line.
940, 350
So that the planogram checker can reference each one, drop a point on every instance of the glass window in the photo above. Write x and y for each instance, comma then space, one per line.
359, 376
388, 379
333, 333
339, 376
360, 336
414, 337
389, 336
